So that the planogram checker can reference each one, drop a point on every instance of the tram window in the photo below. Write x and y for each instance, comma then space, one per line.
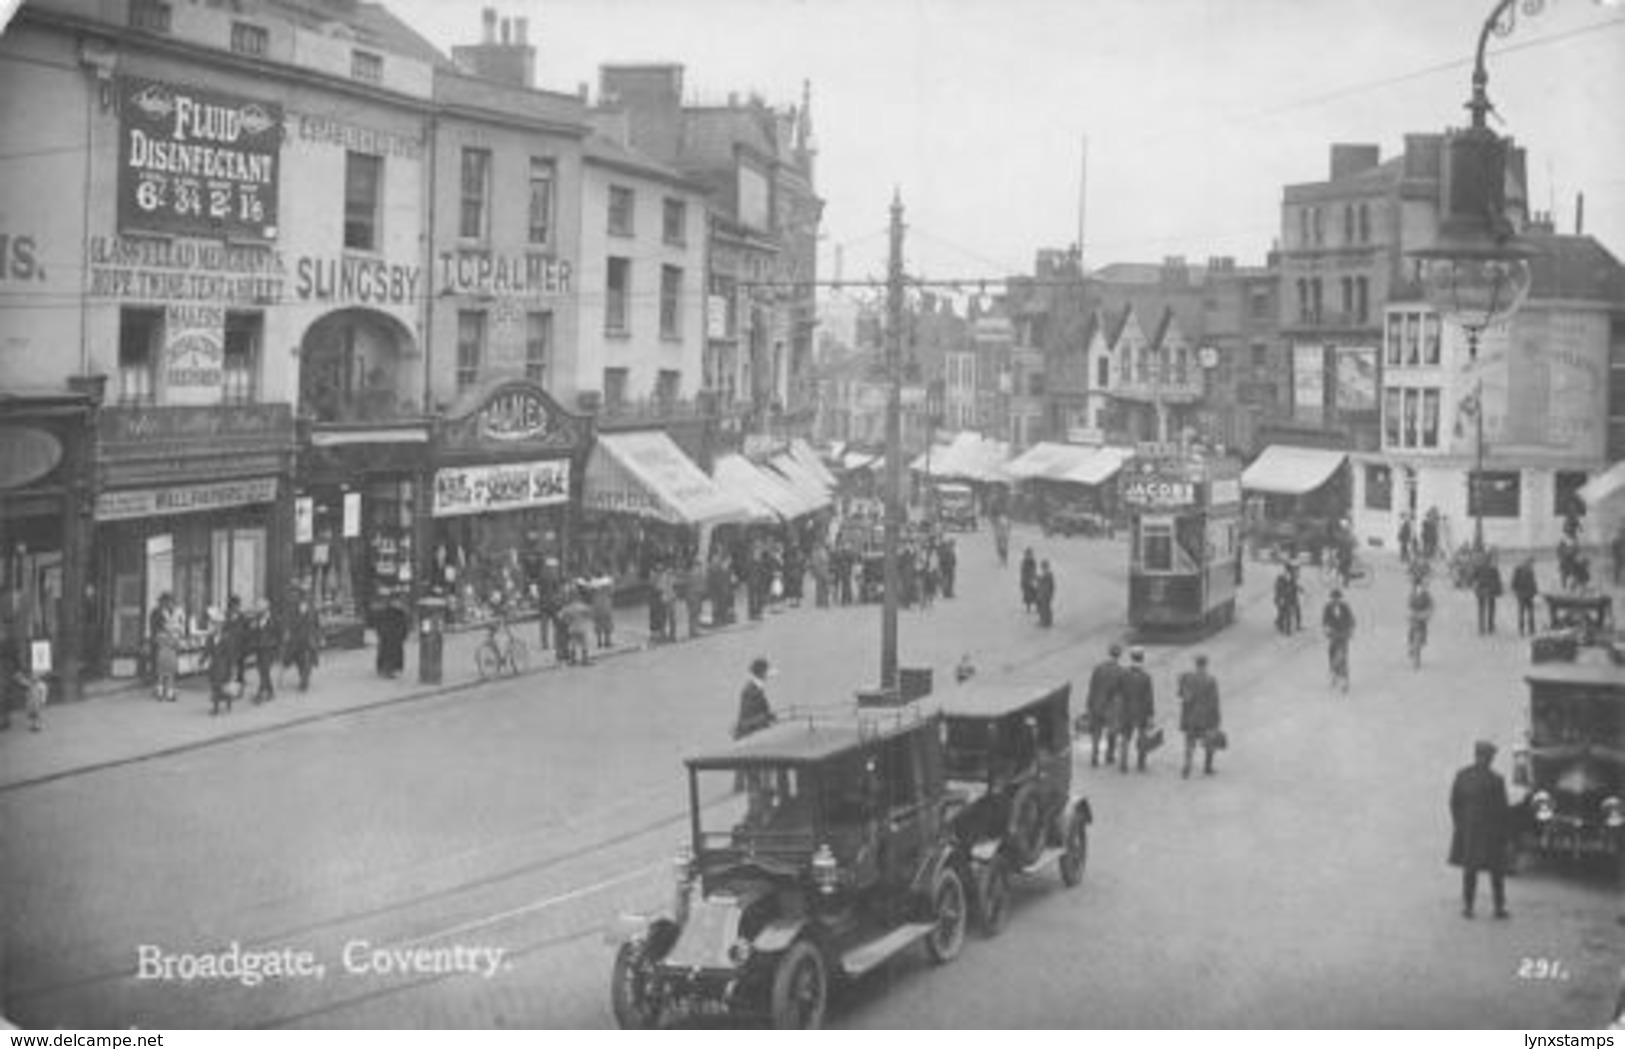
1157, 547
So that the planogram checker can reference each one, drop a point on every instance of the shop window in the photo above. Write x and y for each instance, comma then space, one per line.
367, 67
475, 192
1493, 493
1430, 418
617, 290
1394, 339
362, 180
538, 345
470, 346
1391, 412
245, 333
543, 177
614, 387
1430, 338
621, 202
1566, 485
667, 385
141, 333
250, 39
674, 222
671, 302
1379, 487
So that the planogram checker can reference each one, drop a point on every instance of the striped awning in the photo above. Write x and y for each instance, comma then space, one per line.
647, 475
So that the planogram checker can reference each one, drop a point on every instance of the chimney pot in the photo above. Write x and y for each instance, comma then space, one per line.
505, 28
488, 17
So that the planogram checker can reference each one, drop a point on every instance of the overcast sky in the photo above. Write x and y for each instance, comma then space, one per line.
1197, 111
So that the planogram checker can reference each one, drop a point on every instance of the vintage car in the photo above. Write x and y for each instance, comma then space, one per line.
1075, 520
1009, 767
819, 851
955, 506
1572, 763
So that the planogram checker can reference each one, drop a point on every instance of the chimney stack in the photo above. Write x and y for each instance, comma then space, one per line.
489, 18
1579, 214
505, 38
521, 30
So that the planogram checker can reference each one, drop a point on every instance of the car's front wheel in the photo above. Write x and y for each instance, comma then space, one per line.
949, 912
634, 1005
800, 989
1077, 849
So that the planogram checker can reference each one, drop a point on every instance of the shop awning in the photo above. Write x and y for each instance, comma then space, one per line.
809, 458
969, 456
1101, 466
740, 478
1047, 459
1284, 469
808, 487
1604, 486
646, 474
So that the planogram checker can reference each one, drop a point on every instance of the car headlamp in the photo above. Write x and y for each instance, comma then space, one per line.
1543, 806
739, 952
826, 873
1613, 812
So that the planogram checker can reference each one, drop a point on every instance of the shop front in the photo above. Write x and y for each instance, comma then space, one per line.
43, 452
646, 503
506, 483
194, 502
354, 522
1297, 498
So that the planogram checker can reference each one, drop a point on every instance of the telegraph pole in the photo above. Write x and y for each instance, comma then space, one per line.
894, 445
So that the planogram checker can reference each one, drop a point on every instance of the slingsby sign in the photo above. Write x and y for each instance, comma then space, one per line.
197, 161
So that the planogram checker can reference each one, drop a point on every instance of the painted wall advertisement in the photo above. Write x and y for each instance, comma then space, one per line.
196, 161
509, 486
194, 361
1356, 378
1545, 386
1309, 383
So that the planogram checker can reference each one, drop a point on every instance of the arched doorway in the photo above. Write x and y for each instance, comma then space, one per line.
358, 365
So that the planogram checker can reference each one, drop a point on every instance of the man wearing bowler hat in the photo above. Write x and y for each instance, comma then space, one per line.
755, 713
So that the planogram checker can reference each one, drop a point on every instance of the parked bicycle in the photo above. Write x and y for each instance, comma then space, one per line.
501, 651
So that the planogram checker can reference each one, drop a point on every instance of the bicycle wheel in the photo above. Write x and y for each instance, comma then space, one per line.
488, 659
518, 657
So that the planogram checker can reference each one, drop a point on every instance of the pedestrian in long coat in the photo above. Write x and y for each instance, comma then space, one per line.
1044, 595
1199, 717
755, 713
392, 626
948, 559
1430, 533
1487, 587
1524, 588
602, 589
304, 636
1102, 704
1480, 824
1405, 537
1029, 580
266, 637
694, 595
222, 651
1136, 707
167, 624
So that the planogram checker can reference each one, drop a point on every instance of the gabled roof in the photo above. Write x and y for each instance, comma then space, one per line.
1092, 325
1163, 324
380, 22
1114, 330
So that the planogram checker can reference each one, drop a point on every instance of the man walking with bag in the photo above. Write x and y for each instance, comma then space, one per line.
1199, 716
1136, 707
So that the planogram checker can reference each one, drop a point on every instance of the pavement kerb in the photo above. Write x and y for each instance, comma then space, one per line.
430, 692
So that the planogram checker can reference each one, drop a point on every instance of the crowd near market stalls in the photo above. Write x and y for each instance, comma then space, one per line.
1185, 540
1068, 487
1296, 499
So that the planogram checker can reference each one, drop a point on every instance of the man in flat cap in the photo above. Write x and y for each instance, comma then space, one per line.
1105, 683
1136, 706
1480, 817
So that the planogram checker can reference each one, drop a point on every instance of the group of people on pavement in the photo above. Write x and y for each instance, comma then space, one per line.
1120, 709
233, 638
1038, 588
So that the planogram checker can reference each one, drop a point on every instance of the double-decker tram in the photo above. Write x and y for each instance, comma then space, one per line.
1185, 546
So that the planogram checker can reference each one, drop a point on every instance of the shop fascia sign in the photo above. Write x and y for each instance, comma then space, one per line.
525, 275
507, 486
124, 504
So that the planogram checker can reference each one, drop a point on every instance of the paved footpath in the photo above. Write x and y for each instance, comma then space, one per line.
121, 722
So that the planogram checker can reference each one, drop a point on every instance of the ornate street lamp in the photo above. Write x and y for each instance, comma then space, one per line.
1476, 272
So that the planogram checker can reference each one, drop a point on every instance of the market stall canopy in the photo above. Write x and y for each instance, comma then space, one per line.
737, 476
1285, 469
646, 474
804, 454
1604, 486
1101, 466
1047, 459
862, 461
969, 456
800, 480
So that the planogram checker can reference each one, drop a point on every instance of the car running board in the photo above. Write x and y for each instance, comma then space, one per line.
1045, 858
860, 960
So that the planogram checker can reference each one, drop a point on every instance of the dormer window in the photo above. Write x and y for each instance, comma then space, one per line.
151, 15
250, 39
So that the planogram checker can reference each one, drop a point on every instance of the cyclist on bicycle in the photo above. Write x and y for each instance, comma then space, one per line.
1338, 622
1420, 607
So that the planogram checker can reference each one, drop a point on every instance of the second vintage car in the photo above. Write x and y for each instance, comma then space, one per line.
819, 850
1572, 764
1009, 761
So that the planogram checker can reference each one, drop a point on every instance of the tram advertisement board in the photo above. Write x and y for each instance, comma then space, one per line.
1159, 484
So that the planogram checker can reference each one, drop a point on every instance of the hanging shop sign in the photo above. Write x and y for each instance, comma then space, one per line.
194, 360
509, 486
124, 504
26, 455
197, 161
